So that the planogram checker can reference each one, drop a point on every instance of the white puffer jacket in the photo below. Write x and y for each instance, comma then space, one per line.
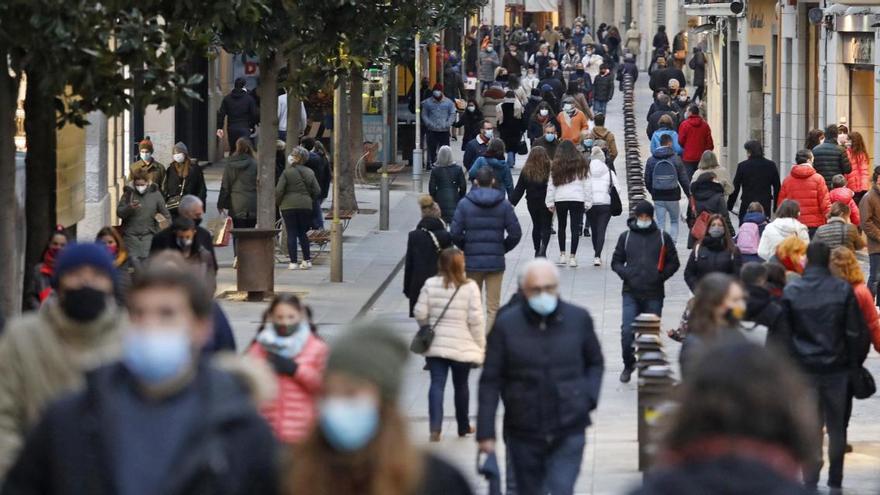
575, 190
777, 231
461, 334
599, 182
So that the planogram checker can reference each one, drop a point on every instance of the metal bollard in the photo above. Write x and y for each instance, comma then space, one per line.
383, 201
654, 384
417, 170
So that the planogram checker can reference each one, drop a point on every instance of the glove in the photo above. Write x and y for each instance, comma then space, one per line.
282, 365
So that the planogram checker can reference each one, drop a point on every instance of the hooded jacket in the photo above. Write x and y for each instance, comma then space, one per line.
604, 134
599, 182
485, 227
241, 110
422, 254
503, 177
763, 309
695, 137
807, 187
666, 153
637, 257
447, 186
655, 140
44, 355
460, 335
777, 231
709, 196
830, 159
297, 189
710, 256
238, 189
845, 195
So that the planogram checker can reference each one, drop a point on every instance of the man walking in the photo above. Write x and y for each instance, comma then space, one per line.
477, 146
438, 115
485, 228
146, 162
548, 395
869, 211
603, 89
829, 158
644, 259
829, 341
666, 179
695, 137
241, 111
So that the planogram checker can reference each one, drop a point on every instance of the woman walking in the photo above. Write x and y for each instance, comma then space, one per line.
785, 224
600, 179
453, 306
532, 183
845, 265
140, 205
423, 247
839, 231
183, 177
126, 266
859, 180
41, 284
715, 253
286, 343
566, 195
447, 184
511, 124
470, 120
238, 188
295, 196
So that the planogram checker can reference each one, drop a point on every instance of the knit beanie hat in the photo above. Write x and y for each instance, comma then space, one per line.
644, 208
181, 148
371, 352
76, 256
146, 144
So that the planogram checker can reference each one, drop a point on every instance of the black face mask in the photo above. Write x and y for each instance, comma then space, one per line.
197, 221
84, 304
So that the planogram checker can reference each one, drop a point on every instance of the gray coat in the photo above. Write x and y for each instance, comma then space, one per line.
139, 223
238, 190
297, 189
487, 63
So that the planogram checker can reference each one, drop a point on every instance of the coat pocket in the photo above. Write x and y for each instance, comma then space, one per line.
520, 410
575, 402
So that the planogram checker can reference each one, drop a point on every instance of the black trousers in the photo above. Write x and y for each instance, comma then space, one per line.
435, 139
832, 392
541, 222
599, 216
241, 223
575, 211
238, 132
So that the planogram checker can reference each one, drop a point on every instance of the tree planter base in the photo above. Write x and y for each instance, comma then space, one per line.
256, 261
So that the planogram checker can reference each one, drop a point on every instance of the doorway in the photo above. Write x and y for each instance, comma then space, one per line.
861, 104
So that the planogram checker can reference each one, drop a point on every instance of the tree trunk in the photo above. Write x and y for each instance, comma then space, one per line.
11, 282
269, 66
40, 169
294, 112
355, 137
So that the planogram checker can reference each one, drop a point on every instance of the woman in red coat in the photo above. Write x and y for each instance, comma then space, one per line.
286, 342
844, 264
807, 187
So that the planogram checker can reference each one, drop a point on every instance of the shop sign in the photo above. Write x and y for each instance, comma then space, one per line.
859, 49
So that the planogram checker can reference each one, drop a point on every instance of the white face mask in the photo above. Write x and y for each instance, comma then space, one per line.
290, 160
178, 157
489, 133
471, 109
141, 189
544, 112
568, 107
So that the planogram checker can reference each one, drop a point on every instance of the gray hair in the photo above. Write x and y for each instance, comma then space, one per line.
444, 157
189, 202
300, 155
534, 265
709, 160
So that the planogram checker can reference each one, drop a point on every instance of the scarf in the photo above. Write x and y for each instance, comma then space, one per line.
791, 265
47, 268
289, 346
182, 169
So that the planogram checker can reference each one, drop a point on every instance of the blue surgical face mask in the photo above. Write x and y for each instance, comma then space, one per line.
544, 303
349, 424
156, 356
550, 137
643, 224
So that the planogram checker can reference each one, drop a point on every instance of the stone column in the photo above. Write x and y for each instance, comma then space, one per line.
97, 199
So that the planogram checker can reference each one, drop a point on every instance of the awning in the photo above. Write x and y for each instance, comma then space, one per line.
542, 5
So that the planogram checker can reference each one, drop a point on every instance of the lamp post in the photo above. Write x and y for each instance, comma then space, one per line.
338, 143
417, 90
386, 152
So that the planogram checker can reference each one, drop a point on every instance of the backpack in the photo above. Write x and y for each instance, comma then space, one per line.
748, 238
665, 176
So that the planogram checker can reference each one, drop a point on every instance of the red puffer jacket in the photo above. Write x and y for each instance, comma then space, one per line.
695, 137
845, 195
292, 412
860, 178
807, 187
869, 312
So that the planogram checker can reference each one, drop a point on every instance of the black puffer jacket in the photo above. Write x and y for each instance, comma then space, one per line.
828, 333
447, 186
711, 256
829, 159
321, 168
240, 108
709, 196
535, 192
603, 87
421, 256
637, 256
546, 394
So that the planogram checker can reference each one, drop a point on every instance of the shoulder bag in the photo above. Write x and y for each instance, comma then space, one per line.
616, 205
422, 340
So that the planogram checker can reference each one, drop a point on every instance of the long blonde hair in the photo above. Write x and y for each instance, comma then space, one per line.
844, 264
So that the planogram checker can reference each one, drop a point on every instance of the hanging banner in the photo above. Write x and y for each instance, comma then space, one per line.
542, 5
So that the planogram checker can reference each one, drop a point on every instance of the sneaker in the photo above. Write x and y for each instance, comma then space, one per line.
305, 265
563, 259
435, 436
573, 262
597, 261
625, 375
293, 266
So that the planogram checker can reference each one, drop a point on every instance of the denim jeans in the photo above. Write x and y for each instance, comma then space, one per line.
297, 223
832, 392
439, 369
435, 139
317, 215
511, 159
673, 210
598, 216
546, 465
599, 107
634, 306
874, 273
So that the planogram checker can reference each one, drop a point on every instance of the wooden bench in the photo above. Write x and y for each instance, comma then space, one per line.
321, 239
344, 215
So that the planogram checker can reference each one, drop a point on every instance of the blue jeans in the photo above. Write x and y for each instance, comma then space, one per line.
874, 273
317, 215
634, 306
664, 208
599, 107
439, 369
297, 222
546, 465
511, 159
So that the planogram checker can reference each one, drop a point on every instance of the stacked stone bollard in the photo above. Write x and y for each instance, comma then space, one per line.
635, 181
655, 381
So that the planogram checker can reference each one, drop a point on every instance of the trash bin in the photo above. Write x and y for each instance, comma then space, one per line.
256, 261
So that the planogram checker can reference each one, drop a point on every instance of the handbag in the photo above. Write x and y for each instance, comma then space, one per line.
221, 231
616, 205
422, 340
173, 202
522, 148
862, 383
